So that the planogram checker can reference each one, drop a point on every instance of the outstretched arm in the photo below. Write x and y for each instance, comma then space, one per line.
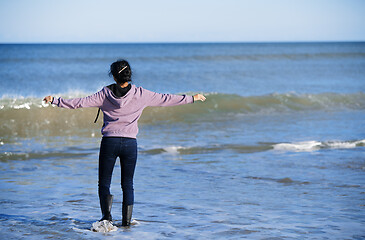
164, 100
95, 100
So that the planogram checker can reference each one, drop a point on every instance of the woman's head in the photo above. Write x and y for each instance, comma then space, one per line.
121, 71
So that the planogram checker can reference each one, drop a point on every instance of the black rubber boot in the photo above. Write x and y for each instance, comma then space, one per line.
106, 207
127, 215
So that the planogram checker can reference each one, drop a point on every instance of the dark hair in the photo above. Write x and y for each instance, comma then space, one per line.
121, 71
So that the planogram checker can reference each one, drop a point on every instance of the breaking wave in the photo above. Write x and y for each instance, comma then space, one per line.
30, 117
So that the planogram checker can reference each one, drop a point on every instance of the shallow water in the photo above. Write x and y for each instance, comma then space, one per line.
265, 159
223, 194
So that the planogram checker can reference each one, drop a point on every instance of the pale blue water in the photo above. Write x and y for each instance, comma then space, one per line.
276, 151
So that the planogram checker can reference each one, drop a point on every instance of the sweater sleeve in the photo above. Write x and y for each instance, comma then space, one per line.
164, 100
95, 100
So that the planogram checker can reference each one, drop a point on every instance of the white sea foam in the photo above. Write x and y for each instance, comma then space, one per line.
24, 105
44, 104
298, 147
103, 226
308, 146
341, 144
172, 149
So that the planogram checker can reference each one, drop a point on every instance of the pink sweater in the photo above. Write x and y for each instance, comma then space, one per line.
121, 114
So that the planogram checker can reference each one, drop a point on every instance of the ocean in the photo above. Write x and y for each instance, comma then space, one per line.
277, 151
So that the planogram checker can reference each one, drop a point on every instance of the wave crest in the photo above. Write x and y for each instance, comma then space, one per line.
30, 117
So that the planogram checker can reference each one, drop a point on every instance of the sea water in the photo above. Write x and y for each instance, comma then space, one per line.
277, 151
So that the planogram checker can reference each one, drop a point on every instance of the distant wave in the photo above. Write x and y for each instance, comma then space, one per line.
31, 117
305, 146
197, 57
263, 57
316, 145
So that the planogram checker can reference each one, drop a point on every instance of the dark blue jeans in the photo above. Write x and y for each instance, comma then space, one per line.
126, 150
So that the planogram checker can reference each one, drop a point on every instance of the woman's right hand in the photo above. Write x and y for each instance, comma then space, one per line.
48, 99
199, 97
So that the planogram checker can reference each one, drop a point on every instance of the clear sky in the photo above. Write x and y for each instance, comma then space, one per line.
38, 21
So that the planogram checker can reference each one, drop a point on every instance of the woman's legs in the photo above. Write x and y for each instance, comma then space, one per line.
126, 150
107, 157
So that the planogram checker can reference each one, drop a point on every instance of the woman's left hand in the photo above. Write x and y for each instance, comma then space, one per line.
48, 99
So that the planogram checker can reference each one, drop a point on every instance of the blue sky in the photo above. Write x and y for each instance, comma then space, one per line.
38, 21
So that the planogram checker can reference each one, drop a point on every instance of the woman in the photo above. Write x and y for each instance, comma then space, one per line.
122, 104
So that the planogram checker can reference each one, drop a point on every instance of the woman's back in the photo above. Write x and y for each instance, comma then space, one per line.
121, 114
